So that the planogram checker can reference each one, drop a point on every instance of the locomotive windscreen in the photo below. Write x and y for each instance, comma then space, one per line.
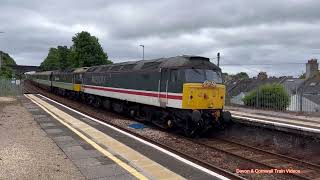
201, 75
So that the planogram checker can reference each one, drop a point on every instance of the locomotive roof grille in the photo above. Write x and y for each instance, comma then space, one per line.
92, 69
106, 68
192, 58
151, 65
128, 67
115, 68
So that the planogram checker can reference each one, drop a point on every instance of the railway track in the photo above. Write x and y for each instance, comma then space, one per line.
267, 160
31, 89
259, 158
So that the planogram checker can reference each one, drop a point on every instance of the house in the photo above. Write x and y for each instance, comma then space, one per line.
307, 97
310, 92
237, 89
304, 93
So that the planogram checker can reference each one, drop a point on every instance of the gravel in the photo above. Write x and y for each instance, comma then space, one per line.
25, 150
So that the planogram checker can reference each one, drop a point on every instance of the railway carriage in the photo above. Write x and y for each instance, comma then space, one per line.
68, 82
42, 79
183, 91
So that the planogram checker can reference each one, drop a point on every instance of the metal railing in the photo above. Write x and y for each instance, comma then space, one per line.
280, 98
11, 87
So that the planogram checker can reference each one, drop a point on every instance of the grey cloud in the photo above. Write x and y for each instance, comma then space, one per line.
243, 31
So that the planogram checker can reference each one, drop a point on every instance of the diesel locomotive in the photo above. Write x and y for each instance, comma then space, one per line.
185, 92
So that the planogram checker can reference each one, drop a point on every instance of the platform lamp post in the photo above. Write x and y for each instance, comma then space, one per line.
1, 54
142, 51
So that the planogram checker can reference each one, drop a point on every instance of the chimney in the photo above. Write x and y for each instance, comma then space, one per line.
311, 68
262, 75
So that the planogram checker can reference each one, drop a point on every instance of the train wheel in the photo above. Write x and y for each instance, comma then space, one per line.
190, 129
226, 117
107, 104
117, 107
97, 102
90, 99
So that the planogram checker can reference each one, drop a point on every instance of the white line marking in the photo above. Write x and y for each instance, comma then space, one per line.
278, 124
145, 142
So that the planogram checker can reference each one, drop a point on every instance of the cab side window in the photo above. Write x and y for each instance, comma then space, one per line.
174, 76
176, 81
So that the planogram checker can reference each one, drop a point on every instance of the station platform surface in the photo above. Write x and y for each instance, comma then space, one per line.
26, 152
102, 152
303, 123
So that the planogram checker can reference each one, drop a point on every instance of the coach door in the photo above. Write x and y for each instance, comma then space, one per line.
163, 87
51, 79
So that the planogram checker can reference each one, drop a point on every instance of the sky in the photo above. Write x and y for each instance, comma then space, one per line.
252, 36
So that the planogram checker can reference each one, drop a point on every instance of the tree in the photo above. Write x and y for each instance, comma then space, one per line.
272, 96
241, 75
64, 59
6, 59
51, 62
87, 51
226, 77
58, 58
5, 70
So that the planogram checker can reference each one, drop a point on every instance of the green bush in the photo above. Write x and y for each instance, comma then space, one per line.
272, 96
6, 73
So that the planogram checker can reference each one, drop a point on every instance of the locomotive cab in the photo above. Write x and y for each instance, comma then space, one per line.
203, 89
203, 96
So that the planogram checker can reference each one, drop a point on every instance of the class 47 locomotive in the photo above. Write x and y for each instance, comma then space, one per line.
183, 92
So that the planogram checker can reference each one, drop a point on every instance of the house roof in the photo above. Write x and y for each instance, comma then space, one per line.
312, 85
292, 84
246, 85
311, 89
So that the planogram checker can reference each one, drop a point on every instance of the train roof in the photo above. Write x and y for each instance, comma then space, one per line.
73, 70
156, 64
184, 61
80, 70
43, 73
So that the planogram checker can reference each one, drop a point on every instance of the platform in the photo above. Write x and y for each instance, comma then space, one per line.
26, 152
101, 151
305, 125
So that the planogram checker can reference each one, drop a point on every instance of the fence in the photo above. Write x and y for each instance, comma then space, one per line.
278, 98
10, 87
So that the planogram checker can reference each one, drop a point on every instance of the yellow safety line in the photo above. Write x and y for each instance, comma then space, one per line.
125, 166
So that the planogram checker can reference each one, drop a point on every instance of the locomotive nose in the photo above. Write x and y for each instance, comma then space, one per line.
203, 96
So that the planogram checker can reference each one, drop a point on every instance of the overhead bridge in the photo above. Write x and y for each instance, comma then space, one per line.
20, 69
